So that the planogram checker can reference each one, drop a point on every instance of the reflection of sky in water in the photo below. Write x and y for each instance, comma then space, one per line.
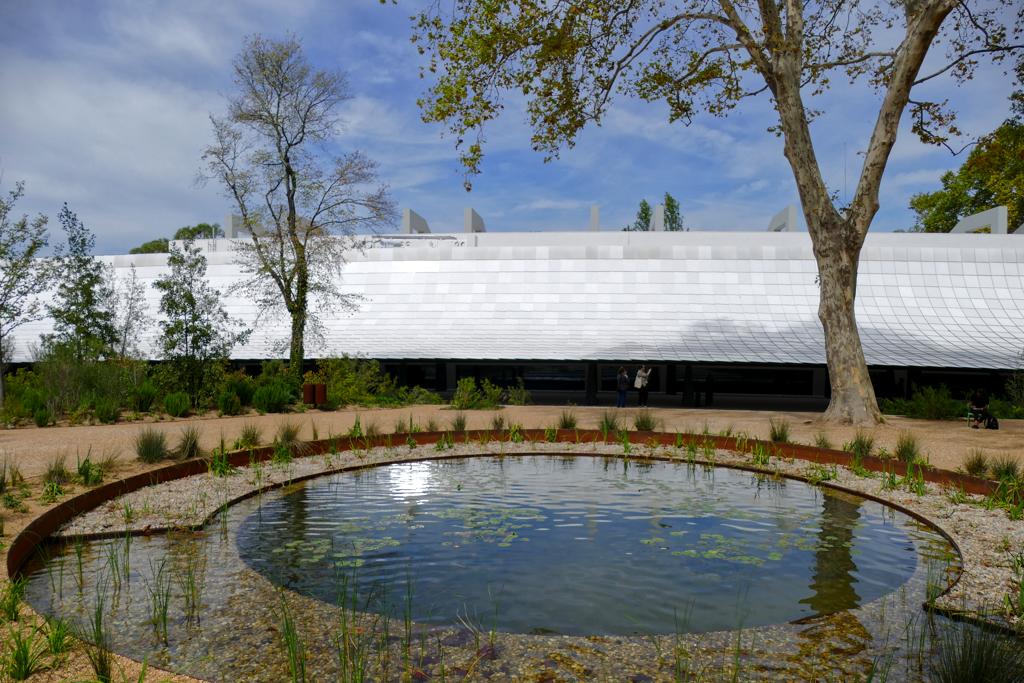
587, 545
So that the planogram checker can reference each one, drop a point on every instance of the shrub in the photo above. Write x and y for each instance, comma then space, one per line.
967, 654
929, 403
609, 422
468, 396
976, 463
41, 417
32, 401
271, 398
778, 431
1005, 468
244, 389
518, 395
863, 444
188, 446
88, 473
51, 492
143, 397
907, 449
150, 445
893, 406
567, 420
228, 403
644, 421
107, 411
459, 422
177, 404
356, 381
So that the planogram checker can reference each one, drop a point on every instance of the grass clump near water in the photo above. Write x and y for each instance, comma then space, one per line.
433, 425
567, 419
150, 445
287, 444
778, 431
10, 599
609, 422
822, 439
188, 443
967, 654
177, 404
908, 448
1005, 468
25, 651
644, 421
250, 437
498, 422
459, 422
976, 463
863, 444
57, 472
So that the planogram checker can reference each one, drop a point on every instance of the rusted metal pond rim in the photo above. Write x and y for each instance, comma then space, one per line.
51, 520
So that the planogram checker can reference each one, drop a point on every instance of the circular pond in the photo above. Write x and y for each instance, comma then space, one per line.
530, 545
582, 546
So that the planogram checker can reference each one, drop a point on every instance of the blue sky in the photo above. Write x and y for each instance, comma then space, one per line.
105, 106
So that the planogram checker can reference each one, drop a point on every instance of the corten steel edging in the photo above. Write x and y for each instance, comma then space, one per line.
51, 520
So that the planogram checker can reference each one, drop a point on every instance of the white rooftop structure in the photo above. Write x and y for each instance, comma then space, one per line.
923, 300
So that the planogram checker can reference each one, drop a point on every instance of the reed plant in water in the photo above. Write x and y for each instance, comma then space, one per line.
97, 641
58, 635
292, 641
159, 588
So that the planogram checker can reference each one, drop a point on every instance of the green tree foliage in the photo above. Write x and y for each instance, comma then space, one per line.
82, 314
673, 218
569, 60
22, 276
301, 204
161, 245
992, 175
643, 219
197, 334
645, 216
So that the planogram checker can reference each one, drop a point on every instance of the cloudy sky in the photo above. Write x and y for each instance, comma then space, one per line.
105, 105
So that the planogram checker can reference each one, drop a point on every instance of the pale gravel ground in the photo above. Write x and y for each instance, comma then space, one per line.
987, 538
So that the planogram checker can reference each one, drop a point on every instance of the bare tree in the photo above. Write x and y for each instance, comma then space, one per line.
301, 205
570, 57
22, 274
129, 313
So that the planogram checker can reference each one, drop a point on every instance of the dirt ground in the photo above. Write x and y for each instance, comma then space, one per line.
945, 444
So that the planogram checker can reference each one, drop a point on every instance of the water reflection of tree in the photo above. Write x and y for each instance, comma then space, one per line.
833, 580
834, 634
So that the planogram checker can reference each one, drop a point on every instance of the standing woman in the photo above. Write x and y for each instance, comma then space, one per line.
622, 386
641, 383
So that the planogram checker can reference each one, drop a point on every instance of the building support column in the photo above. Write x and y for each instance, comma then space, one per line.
441, 377
592, 383
688, 386
670, 379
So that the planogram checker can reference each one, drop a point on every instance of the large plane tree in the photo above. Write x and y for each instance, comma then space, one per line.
570, 58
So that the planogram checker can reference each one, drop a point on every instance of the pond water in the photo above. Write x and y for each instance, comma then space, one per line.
585, 546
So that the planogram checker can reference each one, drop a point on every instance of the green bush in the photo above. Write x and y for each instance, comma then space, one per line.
143, 397
243, 389
930, 403
1005, 410
271, 398
41, 417
107, 411
893, 406
177, 404
356, 381
518, 395
229, 403
32, 401
468, 396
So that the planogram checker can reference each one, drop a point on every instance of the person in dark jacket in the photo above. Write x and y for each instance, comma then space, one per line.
979, 407
622, 386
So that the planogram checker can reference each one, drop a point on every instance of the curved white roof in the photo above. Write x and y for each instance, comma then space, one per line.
923, 300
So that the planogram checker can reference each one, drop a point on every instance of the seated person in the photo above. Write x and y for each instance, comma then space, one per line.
979, 407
